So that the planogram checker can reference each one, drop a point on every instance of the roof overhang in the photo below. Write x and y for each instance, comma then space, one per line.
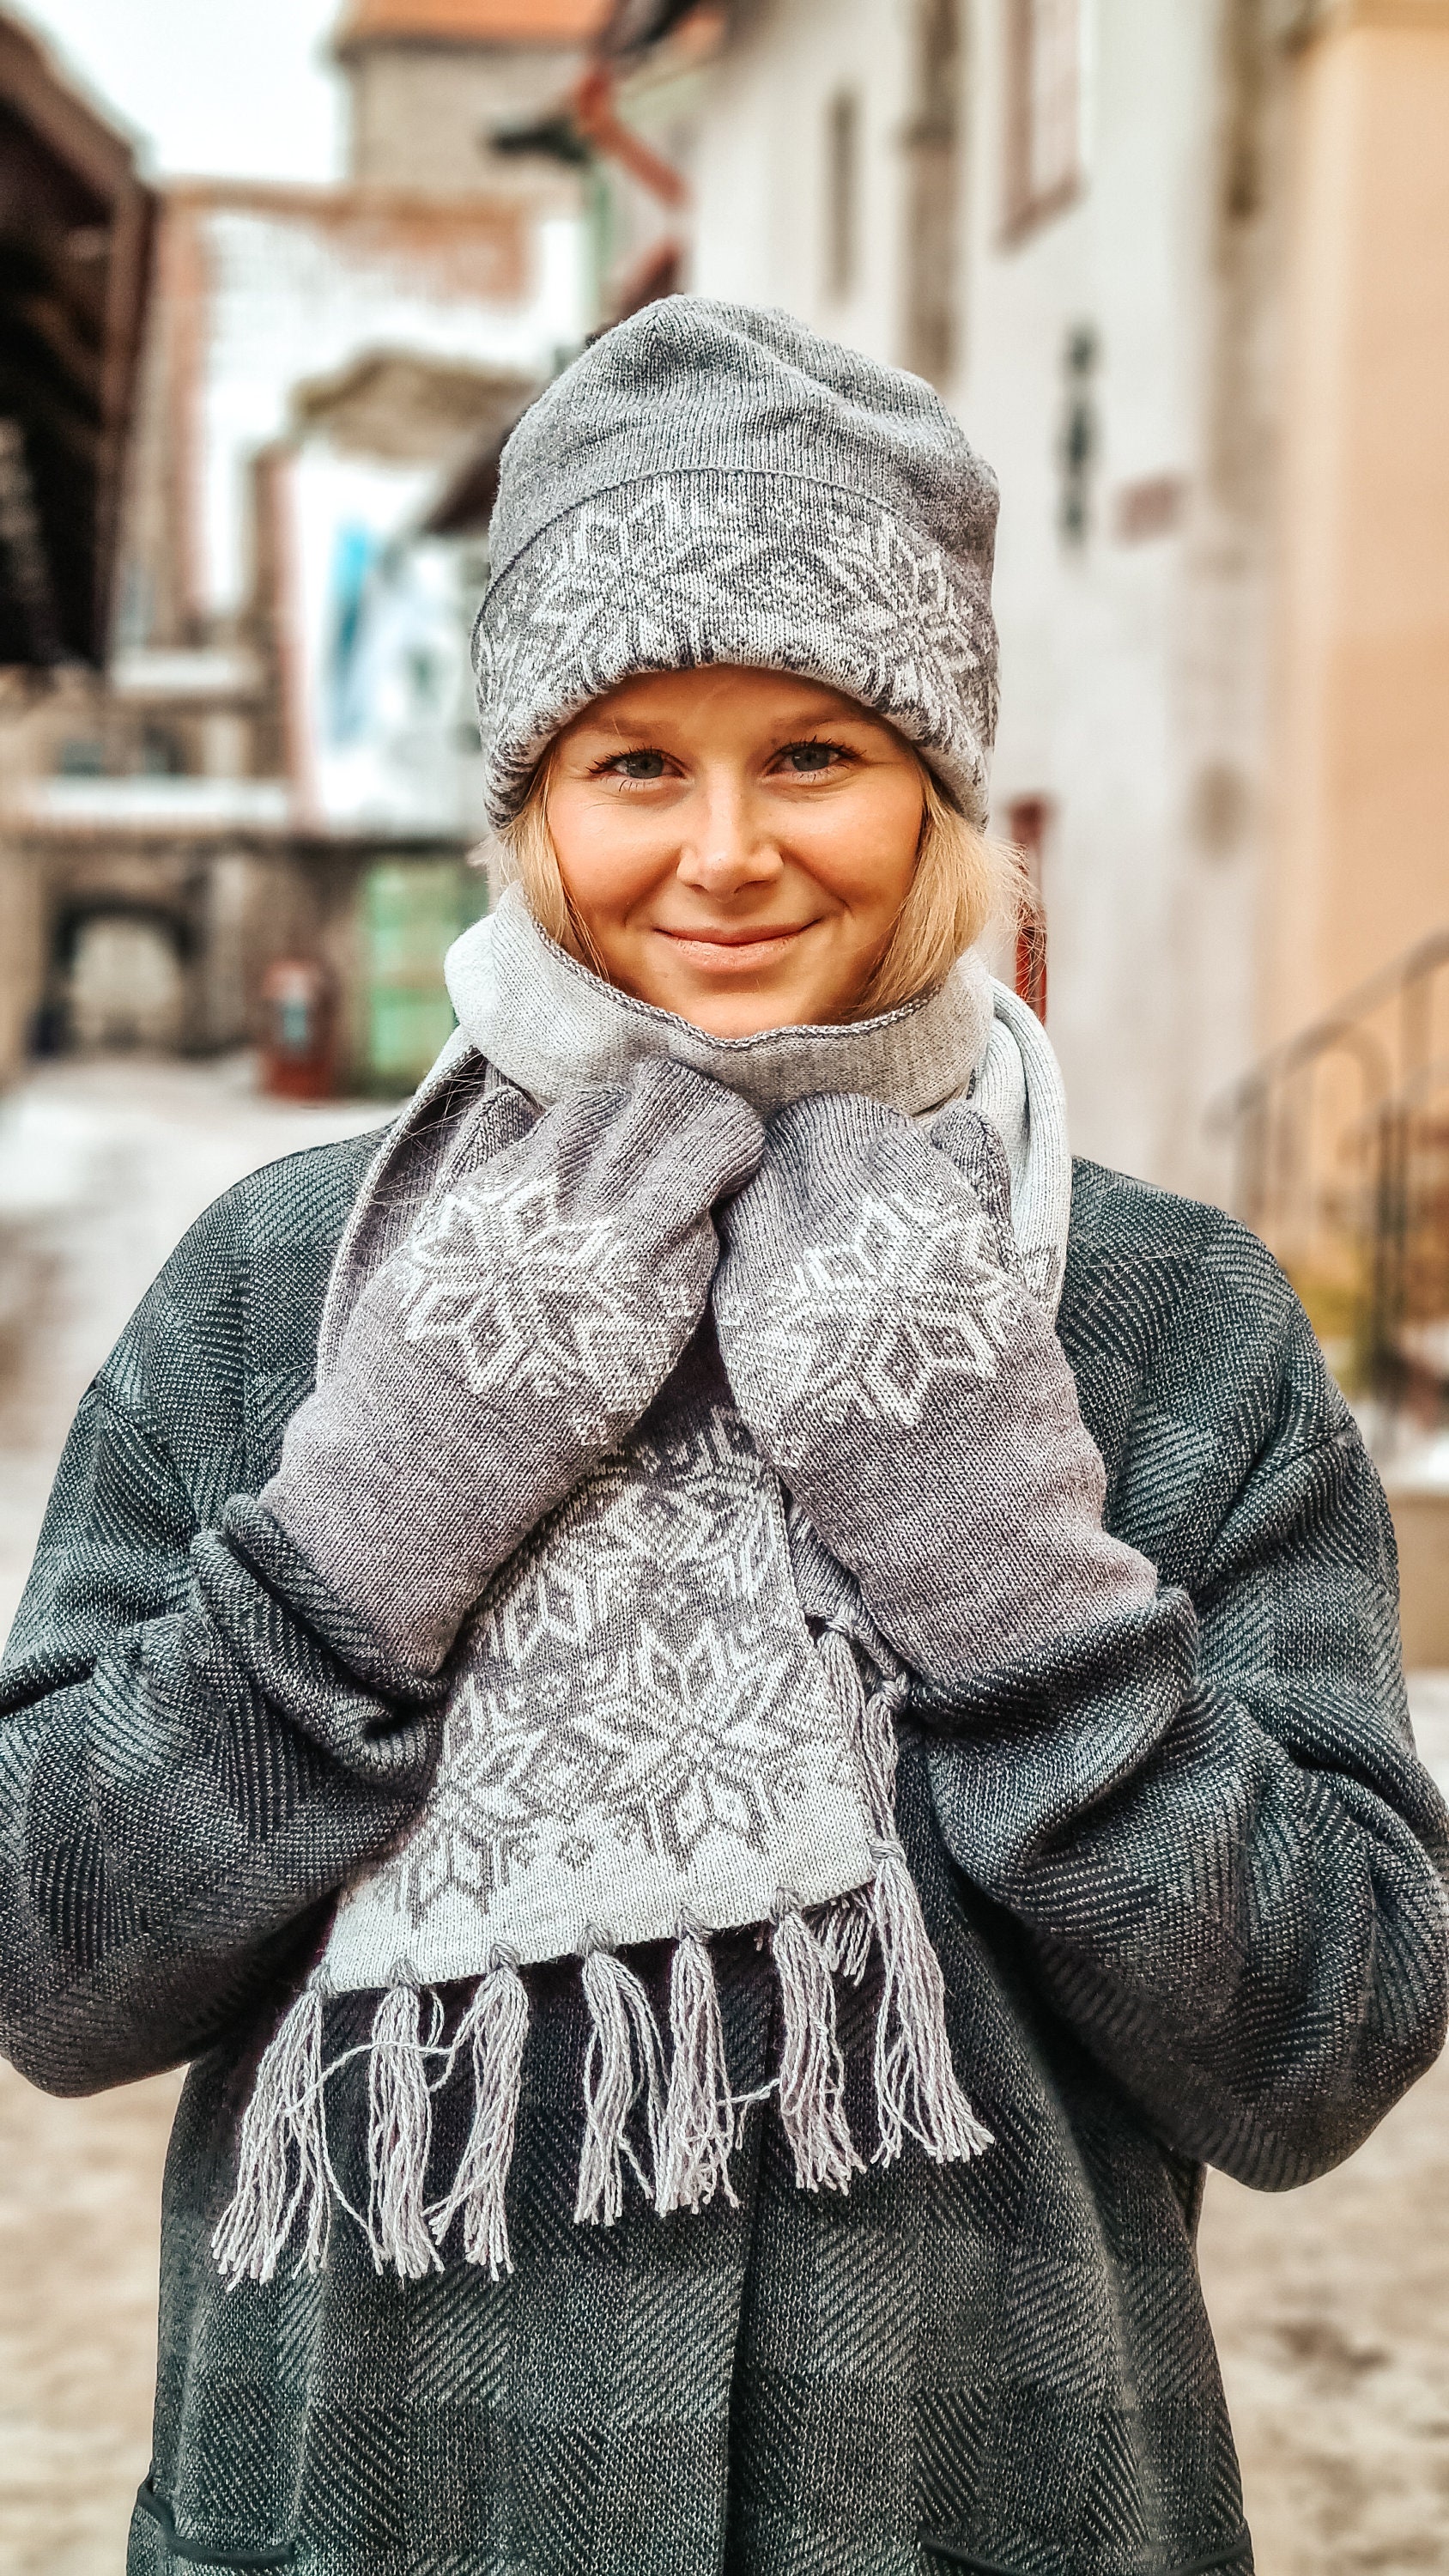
532, 23
631, 27
75, 234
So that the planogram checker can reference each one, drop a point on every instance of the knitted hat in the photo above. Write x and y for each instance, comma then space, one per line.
711, 483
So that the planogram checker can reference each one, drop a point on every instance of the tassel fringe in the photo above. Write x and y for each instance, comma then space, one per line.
916, 2086
399, 2135
689, 2125
845, 1931
812, 2070
494, 2027
699, 2113
625, 2059
915, 2082
285, 2120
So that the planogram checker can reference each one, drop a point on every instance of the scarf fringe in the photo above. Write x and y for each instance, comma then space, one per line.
916, 2086
285, 2120
399, 2138
625, 2059
845, 1930
494, 2028
677, 2135
699, 2113
812, 2070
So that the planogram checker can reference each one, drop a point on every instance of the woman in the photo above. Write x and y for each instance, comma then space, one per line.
577, 1666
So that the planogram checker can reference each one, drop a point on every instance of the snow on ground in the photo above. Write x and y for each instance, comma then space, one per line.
1331, 2305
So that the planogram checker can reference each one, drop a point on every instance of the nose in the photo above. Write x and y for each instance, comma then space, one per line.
724, 848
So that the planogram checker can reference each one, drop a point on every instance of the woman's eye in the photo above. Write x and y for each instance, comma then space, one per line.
638, 764
807, 759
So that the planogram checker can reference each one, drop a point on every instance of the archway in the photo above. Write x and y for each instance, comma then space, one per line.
119, 975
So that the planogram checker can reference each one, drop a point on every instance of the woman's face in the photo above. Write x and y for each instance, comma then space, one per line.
736, 844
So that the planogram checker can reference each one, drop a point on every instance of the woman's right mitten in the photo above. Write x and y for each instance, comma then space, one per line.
532, 1316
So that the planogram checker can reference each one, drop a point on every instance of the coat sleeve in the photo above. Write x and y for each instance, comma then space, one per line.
1208, 1815
192, 1757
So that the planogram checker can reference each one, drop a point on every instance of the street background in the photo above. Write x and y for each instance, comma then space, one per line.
277, 278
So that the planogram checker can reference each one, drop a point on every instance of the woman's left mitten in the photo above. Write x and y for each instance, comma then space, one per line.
914, 1398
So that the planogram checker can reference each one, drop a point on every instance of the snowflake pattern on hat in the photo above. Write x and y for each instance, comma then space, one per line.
688, 570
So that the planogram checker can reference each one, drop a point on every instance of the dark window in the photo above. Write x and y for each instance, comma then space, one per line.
842, 193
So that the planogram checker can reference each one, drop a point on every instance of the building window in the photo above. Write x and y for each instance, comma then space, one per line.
1043, 158
1080, 436
842, 194
933, 139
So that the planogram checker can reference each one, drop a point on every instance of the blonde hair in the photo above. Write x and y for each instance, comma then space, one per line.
963, 884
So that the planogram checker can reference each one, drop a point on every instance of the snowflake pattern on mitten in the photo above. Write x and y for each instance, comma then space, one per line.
882, 1346
574, 1314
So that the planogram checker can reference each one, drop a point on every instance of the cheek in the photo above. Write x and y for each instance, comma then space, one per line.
603, 854
862, 847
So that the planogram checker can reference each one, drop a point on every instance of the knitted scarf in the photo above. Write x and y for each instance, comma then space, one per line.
668, 1716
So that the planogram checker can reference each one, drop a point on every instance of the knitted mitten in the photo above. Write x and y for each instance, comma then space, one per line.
533, 1314
912, 1395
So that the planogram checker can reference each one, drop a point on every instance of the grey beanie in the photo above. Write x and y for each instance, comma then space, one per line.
712, 483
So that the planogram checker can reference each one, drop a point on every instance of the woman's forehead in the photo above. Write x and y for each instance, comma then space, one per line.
652, 697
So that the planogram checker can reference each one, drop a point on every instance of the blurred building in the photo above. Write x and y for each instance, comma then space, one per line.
281, 759
1184, 273
432, 83
75, 224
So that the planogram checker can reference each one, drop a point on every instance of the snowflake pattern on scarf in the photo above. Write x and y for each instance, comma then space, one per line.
641, 1731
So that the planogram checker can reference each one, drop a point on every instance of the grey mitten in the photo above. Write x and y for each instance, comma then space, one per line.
530, 1318
889, 1361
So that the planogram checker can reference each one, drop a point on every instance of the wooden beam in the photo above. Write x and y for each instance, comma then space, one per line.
90, 149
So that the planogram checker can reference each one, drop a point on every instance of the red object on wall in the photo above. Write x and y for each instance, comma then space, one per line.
1028, 820
298, 1027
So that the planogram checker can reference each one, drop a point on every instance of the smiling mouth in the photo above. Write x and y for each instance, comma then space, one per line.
745, 947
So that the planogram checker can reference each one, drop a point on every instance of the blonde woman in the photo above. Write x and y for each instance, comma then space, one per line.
738, 1719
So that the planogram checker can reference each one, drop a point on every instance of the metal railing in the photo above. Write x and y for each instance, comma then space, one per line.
1341, 1155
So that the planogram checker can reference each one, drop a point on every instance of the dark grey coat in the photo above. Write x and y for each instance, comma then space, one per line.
1184, 1891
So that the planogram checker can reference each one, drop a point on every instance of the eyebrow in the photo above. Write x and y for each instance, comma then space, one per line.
822, 712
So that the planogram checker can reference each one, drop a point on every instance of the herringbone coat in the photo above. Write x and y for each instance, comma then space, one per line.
1184, 1890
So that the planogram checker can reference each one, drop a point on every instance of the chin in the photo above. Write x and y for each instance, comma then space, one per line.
742, 1015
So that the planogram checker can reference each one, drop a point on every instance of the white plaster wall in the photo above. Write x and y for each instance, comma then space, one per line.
1126, 668
760, 172
1091, 637
292, 300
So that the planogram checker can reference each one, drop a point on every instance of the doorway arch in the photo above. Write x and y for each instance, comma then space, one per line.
120, 974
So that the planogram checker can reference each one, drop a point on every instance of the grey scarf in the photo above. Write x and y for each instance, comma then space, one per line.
550, 1026
669, 1714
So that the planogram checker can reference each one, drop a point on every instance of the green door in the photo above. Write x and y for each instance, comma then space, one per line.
412, 911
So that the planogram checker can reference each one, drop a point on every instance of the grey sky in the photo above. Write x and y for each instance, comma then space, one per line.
210, 88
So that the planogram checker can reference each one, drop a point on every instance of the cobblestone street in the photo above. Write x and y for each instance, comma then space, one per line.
1332, 2305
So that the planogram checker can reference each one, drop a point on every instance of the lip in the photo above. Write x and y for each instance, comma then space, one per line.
734, 950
